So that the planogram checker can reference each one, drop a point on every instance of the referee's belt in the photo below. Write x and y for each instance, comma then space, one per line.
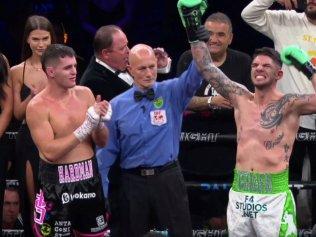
150, 171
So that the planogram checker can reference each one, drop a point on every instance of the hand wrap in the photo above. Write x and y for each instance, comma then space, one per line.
91, 122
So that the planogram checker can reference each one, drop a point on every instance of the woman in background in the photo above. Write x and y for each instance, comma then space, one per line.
29, 79
6, 108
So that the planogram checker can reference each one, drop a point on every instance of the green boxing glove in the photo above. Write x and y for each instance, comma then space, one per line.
293, 55
191, 12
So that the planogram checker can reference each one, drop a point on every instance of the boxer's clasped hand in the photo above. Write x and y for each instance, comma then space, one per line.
91, 122
103, 109
96, 115
107, 116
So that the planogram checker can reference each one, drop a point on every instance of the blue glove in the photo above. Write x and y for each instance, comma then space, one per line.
191, 12
293, 55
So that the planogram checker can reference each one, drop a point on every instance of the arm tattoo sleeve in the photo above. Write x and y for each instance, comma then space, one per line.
213, 75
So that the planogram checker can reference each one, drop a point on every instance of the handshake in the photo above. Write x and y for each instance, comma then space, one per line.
293, 55
191, 12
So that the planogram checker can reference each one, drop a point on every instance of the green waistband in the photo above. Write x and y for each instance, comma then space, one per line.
268, 183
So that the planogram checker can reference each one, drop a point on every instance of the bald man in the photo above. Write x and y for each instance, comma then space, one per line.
144, 134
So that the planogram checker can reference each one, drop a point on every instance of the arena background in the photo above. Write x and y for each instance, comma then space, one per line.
145, 21
154, 22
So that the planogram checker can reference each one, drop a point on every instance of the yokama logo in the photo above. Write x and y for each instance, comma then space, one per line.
66, 197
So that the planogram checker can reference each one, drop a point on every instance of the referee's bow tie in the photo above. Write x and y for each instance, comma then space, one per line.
150, 95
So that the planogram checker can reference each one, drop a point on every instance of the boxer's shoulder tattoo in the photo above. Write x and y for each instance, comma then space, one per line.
272, 115
270, 144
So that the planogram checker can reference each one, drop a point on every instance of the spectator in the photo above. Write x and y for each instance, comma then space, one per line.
285, 28
11, 209
6, 108
29, 79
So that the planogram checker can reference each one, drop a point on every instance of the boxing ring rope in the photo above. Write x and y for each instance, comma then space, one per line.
226, 186
224, 233
209, 137
12, 233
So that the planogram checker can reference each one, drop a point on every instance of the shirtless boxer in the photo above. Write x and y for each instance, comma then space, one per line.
65, 122
260, 202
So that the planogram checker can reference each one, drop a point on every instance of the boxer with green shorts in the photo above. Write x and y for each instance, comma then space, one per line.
260, 202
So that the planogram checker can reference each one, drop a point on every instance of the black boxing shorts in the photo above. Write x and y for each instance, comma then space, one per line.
70, 200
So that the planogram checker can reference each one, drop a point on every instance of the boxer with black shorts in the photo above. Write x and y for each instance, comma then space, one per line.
65, 122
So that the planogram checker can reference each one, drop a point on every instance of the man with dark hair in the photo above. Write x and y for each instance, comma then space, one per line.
260, 201
213, 114
11, 209
65, 122
289, 27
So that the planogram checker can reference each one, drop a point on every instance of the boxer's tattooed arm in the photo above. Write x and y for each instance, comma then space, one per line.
270, 144
273, 114
222, 84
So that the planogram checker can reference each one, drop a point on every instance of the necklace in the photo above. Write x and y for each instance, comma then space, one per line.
35, 68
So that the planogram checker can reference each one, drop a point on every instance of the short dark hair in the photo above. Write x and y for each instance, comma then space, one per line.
221, 18
103, 38
54, 52
35, 22
271, 53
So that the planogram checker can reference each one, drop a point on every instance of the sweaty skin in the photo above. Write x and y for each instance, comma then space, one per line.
267, 120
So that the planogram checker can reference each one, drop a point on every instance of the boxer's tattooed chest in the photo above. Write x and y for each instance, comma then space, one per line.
273, 114
271, 117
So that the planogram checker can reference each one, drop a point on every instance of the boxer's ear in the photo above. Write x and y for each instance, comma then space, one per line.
50, 72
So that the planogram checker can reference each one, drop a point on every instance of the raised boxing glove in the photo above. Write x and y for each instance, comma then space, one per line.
191, 12
293, 55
